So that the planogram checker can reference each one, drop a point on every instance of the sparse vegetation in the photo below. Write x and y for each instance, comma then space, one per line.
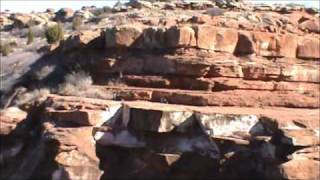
54, 33
77, 23
80, 80
80, 84
30, 36
32, 96
5, 49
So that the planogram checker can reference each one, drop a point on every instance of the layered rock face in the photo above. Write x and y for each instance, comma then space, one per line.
222, 96
85, 138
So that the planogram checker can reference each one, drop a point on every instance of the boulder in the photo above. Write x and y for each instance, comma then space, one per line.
226, 40
307, 153
10, 118
123, 36
157, 121
81, 39
300, 137
230, 126
288, 45
76, 152
205, 36
153, 37
5, 21
20, 20
180, 37
218, 39
80, 117
311, 25
300, 169
309, 49
266, 44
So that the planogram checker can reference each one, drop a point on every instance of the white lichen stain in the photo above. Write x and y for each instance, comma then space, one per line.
227, 125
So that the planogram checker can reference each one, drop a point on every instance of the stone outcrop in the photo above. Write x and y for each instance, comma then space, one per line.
213, 38
10, 118
309, 49
123, 36
167, 133
80, 40
177, 90
311, 26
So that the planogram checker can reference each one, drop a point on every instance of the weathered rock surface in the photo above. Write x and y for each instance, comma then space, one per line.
309, 49
195, 93
213, 38
10, 118
124, 36
81, 39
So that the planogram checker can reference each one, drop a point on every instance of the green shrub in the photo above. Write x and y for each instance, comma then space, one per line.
76, 23
5, 49
54, 33
30, 36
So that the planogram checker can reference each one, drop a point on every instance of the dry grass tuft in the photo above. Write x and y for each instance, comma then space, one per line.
30, 97
80, 84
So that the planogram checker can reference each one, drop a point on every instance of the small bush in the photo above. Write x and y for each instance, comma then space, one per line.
76, 23
80, 84
30, 36
32, 96
75, 82
5, 49
54, 34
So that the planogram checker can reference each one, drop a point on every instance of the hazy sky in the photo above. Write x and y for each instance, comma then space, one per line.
42, 5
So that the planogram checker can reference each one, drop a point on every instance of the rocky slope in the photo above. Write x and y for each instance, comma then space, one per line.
214, 90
